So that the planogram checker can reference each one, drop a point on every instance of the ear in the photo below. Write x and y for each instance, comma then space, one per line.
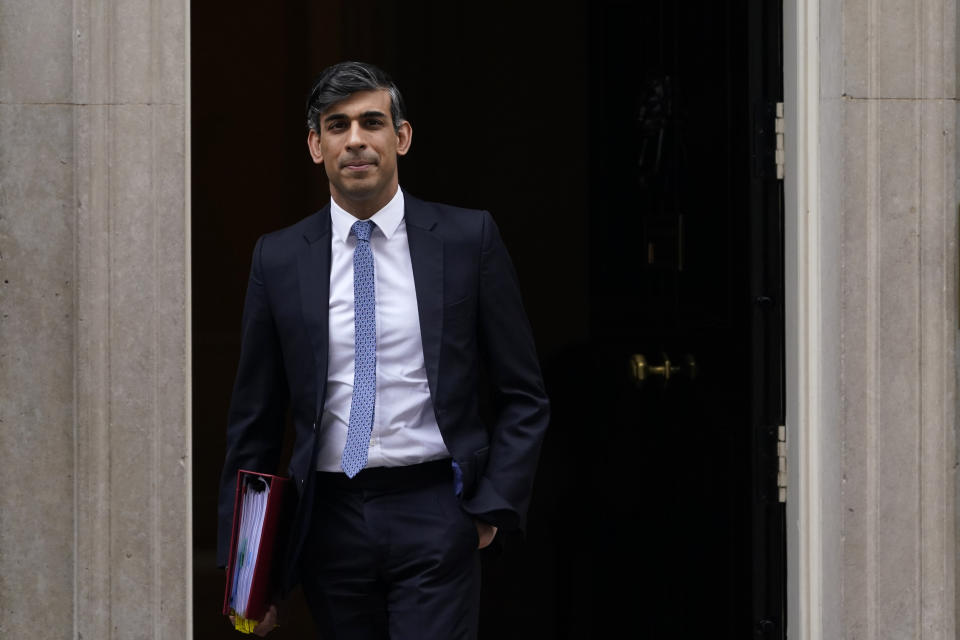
404, 138
313, 143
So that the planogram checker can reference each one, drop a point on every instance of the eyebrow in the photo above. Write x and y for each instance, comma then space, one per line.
365, 114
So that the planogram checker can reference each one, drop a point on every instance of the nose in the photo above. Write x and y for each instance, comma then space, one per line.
355, 138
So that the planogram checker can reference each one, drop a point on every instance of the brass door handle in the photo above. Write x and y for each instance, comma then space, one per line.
642, 370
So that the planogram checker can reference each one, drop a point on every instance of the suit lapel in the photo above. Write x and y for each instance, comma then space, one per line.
313, 263
426, 254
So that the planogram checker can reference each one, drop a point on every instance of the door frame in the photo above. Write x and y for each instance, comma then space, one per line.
802, 218
803, 317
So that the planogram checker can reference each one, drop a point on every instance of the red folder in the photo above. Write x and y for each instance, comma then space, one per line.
266, 569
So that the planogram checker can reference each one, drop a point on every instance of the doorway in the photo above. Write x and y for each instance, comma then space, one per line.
622, 149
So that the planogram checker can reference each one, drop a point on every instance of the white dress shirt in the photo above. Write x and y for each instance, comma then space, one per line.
405, 429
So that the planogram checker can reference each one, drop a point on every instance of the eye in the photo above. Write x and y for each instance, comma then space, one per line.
336, 124
374, 122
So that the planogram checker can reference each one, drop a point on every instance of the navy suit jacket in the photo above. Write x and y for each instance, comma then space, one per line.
471, 318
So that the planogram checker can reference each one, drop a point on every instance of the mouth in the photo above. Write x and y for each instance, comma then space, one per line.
358, 165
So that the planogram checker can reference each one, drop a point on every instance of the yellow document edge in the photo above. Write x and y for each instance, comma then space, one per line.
243, 625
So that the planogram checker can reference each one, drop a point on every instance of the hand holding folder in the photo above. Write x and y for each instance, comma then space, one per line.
269, 623
260, 513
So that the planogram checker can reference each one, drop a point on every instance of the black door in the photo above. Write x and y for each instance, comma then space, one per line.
663, 453
684, 365
626, 150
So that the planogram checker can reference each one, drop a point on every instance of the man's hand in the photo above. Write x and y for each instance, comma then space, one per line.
485, 532
268, 623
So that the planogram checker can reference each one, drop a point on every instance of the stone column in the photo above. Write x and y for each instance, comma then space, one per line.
887, 207
94, 359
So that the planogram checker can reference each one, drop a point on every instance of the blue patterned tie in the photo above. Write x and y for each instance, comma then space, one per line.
365, 353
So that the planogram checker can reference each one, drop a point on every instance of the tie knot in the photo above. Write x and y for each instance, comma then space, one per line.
362, 229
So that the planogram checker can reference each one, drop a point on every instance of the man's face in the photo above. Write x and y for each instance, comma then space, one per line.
358, 147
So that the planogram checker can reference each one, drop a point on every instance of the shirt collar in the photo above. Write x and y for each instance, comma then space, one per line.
388, 219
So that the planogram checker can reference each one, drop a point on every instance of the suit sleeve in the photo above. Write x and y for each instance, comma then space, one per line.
258, 404
520, 403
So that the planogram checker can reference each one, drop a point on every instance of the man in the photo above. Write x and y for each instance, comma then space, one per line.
371, 320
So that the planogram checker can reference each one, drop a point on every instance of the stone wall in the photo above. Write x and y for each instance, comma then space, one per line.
876, 518
898, 319
94, 360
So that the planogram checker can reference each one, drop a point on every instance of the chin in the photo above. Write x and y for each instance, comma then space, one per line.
359, 192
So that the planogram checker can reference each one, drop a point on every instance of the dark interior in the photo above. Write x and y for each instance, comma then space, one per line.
615, 143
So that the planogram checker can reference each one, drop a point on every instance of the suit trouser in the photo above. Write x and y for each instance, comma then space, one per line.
391, 554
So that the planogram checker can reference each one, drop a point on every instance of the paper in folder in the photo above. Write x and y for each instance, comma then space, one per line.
260, 510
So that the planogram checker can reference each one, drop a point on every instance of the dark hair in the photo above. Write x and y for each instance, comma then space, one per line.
339, 81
